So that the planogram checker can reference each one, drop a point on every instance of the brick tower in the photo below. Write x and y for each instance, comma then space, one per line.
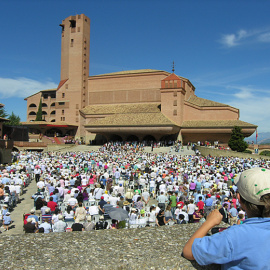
72, 94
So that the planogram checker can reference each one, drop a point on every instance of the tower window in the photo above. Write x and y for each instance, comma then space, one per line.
174, 112
175, 103
72, 23
63, 95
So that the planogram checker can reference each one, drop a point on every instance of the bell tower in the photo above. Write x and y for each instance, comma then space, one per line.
72, 92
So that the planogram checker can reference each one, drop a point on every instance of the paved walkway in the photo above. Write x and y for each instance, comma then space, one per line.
82, 148
23, 207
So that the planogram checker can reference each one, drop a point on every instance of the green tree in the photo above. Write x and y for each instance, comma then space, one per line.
236, 142
3, 113
14, 120
39, 112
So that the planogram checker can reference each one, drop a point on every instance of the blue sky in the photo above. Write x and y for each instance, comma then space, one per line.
222, 47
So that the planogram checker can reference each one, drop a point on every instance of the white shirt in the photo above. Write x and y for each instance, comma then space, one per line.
114, 200
72, 201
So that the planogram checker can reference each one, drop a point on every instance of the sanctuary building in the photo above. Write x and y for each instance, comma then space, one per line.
144, 104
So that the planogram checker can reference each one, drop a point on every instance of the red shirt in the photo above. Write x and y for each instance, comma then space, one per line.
200, 205
52, 205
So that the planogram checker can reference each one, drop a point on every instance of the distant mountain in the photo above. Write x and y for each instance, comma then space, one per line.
263, 138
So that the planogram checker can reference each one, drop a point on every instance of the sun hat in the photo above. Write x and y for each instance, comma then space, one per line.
253, 183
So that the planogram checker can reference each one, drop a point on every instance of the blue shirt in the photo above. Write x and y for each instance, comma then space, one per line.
6, 220
233, 212
208, 202
243, 246
55, 198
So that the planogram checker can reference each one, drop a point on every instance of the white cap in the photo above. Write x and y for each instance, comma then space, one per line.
252, 184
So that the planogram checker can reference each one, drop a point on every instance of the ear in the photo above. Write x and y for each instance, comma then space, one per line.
241, 203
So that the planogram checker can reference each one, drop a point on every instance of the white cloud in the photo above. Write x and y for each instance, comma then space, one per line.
264, 37
254, 107
22, 87
232, 40
245, 36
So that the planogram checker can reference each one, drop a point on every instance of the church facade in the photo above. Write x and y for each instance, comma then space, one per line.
129, 105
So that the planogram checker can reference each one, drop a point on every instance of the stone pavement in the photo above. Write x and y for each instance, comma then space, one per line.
146, 248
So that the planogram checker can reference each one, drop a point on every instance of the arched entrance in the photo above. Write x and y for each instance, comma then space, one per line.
99, 140
149, 139
132, 138
116, 138
168, 139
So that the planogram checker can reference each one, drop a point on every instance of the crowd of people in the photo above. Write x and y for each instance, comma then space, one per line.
79, 191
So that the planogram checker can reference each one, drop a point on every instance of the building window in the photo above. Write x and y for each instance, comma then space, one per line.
166, 84
32, 105
77, 106
63, 112
72, 23
71, 42
45, 96
174, 112
63, 95
53, 95
63, 118
175, 84
175, 103
61, 103
77, 113
66, 86
77, 119
79, 29
175, 93
171, 84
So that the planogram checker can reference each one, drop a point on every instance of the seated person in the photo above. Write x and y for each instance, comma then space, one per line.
46, 225
30, 226
47, 216
101, 224
69, 214
77, 226
88, 225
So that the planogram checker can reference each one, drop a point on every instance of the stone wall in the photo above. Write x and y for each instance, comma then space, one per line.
146, 248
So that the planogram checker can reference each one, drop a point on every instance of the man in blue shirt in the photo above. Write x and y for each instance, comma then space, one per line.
242, 246
233, 214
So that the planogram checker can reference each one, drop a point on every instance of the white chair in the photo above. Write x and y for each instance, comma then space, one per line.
96, 218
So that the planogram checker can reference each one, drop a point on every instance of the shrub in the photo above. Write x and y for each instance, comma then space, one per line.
248, 151
265, 153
